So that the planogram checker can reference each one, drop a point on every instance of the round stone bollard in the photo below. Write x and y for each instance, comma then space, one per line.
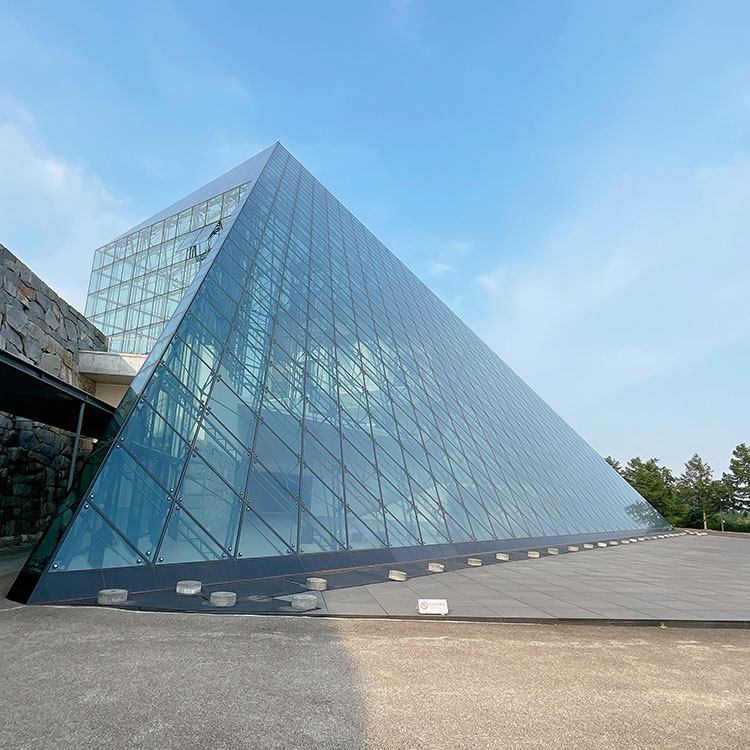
474, 562
316, 584
304, 602
112, 596
223, 599
188, 588
397, 575
435, 567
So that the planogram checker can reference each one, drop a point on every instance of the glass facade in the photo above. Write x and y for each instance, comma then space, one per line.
311, 395
138, 279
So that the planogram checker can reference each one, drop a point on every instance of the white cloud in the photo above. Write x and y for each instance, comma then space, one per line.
439, 270
53, 211
641, 283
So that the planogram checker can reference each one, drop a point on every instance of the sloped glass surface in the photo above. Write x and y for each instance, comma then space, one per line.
155, 444
310, 394
257, 539
186, 541
131, 499
93, 543
211, 501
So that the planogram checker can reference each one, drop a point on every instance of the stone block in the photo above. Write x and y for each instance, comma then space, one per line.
601, 544
223, 599
435, 567
112, 596
504, 556
26, 290
624, 541
533, 554
553, 551
51, 363
397, 575
613, 543
633, 539
189, 588
572, 548
588, 545
641, 538
474, 562
316, 584
304, 602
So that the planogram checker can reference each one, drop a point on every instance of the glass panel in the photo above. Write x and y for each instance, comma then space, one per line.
323, 503
233, 413
315, 538
257, 540
278, 459
127, 495
155, 444
93, 543
185, 541
223, 452
273, 504
211, 502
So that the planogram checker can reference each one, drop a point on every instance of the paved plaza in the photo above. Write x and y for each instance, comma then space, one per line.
689, 579
90, 677
685, 578
82, 677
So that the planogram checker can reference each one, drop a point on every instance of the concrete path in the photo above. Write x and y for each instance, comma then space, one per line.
78, 678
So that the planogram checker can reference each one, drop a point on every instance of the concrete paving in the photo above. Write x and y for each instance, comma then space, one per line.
85, 677
685, 578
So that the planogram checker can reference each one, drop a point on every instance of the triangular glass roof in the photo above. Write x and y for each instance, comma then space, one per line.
311, 396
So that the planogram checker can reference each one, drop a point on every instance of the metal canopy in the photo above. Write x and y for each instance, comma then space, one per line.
27, 391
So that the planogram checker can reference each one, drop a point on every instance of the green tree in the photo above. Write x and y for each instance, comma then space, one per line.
698, 489
655, 484
614, 463
738, 478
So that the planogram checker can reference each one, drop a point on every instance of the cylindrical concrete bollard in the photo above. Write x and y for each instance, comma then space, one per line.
304, 602
112, 596
533, 553
504, 556
223, 599
572, 548
587, 545
397, 575
613, 543
601, 544
316, 584
189, 588
474, 562
435, 567
553, 551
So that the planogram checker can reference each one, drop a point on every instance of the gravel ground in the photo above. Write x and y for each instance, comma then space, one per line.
91, 678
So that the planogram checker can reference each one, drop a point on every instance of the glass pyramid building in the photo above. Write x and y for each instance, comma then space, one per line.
309, 405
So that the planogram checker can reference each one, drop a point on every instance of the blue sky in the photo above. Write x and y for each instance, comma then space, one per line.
573, 178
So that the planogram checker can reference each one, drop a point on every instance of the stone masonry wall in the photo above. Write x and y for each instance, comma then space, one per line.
37, 325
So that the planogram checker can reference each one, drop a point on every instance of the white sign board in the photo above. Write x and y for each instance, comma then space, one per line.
432, 606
